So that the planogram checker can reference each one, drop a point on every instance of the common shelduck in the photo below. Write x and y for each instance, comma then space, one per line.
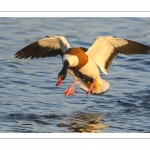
83, 63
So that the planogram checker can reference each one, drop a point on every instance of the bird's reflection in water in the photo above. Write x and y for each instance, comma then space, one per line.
85, 122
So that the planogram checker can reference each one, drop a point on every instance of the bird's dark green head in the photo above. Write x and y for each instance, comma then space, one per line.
62, 74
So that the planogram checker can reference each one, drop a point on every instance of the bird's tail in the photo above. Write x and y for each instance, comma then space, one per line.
100, 87
104, 87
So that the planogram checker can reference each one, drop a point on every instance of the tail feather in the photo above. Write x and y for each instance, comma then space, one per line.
104, 87
101, 88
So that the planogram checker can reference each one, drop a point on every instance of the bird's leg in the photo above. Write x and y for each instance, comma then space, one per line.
70, 90
91, 87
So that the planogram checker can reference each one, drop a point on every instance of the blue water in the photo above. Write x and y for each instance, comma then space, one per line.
30, 101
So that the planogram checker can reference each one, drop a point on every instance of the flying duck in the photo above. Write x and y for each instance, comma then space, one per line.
83, 63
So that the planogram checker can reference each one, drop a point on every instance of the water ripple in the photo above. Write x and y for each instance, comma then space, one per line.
30, 101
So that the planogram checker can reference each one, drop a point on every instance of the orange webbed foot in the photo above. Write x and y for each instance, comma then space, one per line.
70, 90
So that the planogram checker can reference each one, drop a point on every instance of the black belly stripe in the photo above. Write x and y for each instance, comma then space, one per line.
83, 77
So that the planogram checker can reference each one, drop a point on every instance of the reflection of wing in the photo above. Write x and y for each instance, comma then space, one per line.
46, 47
106, 48
85, 122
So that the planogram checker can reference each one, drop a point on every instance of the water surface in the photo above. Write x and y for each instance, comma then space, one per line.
30, 101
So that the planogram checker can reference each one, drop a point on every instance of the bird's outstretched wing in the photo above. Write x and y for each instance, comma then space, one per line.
106, 48
46, 47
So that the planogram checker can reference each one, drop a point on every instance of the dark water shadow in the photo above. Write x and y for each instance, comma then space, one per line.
78, 122
83, 122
